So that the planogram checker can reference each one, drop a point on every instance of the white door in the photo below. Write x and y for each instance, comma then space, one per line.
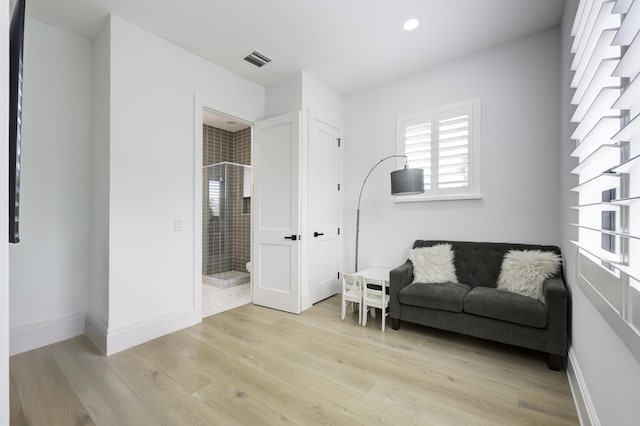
276, 218
324, 209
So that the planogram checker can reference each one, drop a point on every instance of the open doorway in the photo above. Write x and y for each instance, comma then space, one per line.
225, 233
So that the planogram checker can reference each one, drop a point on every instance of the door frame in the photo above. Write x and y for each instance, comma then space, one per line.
201, 103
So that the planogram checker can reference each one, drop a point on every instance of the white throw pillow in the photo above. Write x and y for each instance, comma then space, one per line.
524, 271
433, 264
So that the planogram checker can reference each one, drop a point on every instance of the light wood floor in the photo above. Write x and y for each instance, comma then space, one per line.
254, 365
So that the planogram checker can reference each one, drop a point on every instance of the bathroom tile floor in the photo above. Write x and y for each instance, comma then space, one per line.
216, 300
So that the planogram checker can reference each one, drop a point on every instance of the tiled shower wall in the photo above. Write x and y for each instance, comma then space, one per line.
226, 240
241, 224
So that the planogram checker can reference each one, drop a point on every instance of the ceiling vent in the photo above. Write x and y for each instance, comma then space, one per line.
257, 59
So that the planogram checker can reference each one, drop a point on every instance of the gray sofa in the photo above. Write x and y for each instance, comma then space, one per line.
473, 306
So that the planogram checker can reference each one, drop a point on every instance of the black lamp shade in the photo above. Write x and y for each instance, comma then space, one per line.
407, 182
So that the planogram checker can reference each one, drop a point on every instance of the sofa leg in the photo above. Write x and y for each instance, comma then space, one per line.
395, 323
555, 362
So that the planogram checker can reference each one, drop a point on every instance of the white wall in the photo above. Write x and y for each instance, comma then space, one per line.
4, 184
284, 97
518, 84
98, 307
151, 185
608, 369
322, 99
50, 265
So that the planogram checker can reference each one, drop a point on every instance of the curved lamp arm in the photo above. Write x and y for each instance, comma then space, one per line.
360, 198
376, 165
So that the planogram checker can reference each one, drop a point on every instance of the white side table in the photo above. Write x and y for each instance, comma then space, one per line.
376, 273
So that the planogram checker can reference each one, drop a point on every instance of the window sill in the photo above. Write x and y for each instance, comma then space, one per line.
436, 197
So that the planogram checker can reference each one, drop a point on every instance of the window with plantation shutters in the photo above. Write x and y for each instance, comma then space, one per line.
445, 143
606, 98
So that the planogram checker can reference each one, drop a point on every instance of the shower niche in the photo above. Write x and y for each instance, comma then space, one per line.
226, 223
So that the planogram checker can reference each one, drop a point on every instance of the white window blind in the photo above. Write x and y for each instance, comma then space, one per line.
453, 151
445, 142
214, 198
606, 96
417, 137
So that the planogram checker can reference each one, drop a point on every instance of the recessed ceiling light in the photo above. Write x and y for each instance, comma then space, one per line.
231, 122
411, 24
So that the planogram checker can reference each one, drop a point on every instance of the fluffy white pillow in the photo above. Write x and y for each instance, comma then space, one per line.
433, 264
524, 271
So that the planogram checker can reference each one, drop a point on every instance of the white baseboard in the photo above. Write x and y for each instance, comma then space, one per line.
43, 333
134, 334
581, 397
96, 332
305, 302
326, 289
36, 335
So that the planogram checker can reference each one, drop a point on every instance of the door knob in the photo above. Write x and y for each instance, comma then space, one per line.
292, 237
317, 234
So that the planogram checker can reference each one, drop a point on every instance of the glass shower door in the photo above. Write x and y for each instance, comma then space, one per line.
225, 233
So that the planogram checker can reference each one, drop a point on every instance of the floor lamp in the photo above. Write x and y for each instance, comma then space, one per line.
403, 182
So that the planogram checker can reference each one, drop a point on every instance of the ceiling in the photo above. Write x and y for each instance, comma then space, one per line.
348, 45
220, 121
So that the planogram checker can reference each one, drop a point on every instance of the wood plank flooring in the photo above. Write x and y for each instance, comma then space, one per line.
253, 365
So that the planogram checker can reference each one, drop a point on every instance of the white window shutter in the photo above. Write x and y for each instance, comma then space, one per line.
453, 151
606, 83
446, 143
418, 139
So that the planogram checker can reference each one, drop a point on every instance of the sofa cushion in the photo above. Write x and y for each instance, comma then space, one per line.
433, 264
441, 296
506, 306
524, 271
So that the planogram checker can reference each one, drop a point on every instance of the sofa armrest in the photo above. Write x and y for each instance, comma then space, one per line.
399, 278
556, 299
